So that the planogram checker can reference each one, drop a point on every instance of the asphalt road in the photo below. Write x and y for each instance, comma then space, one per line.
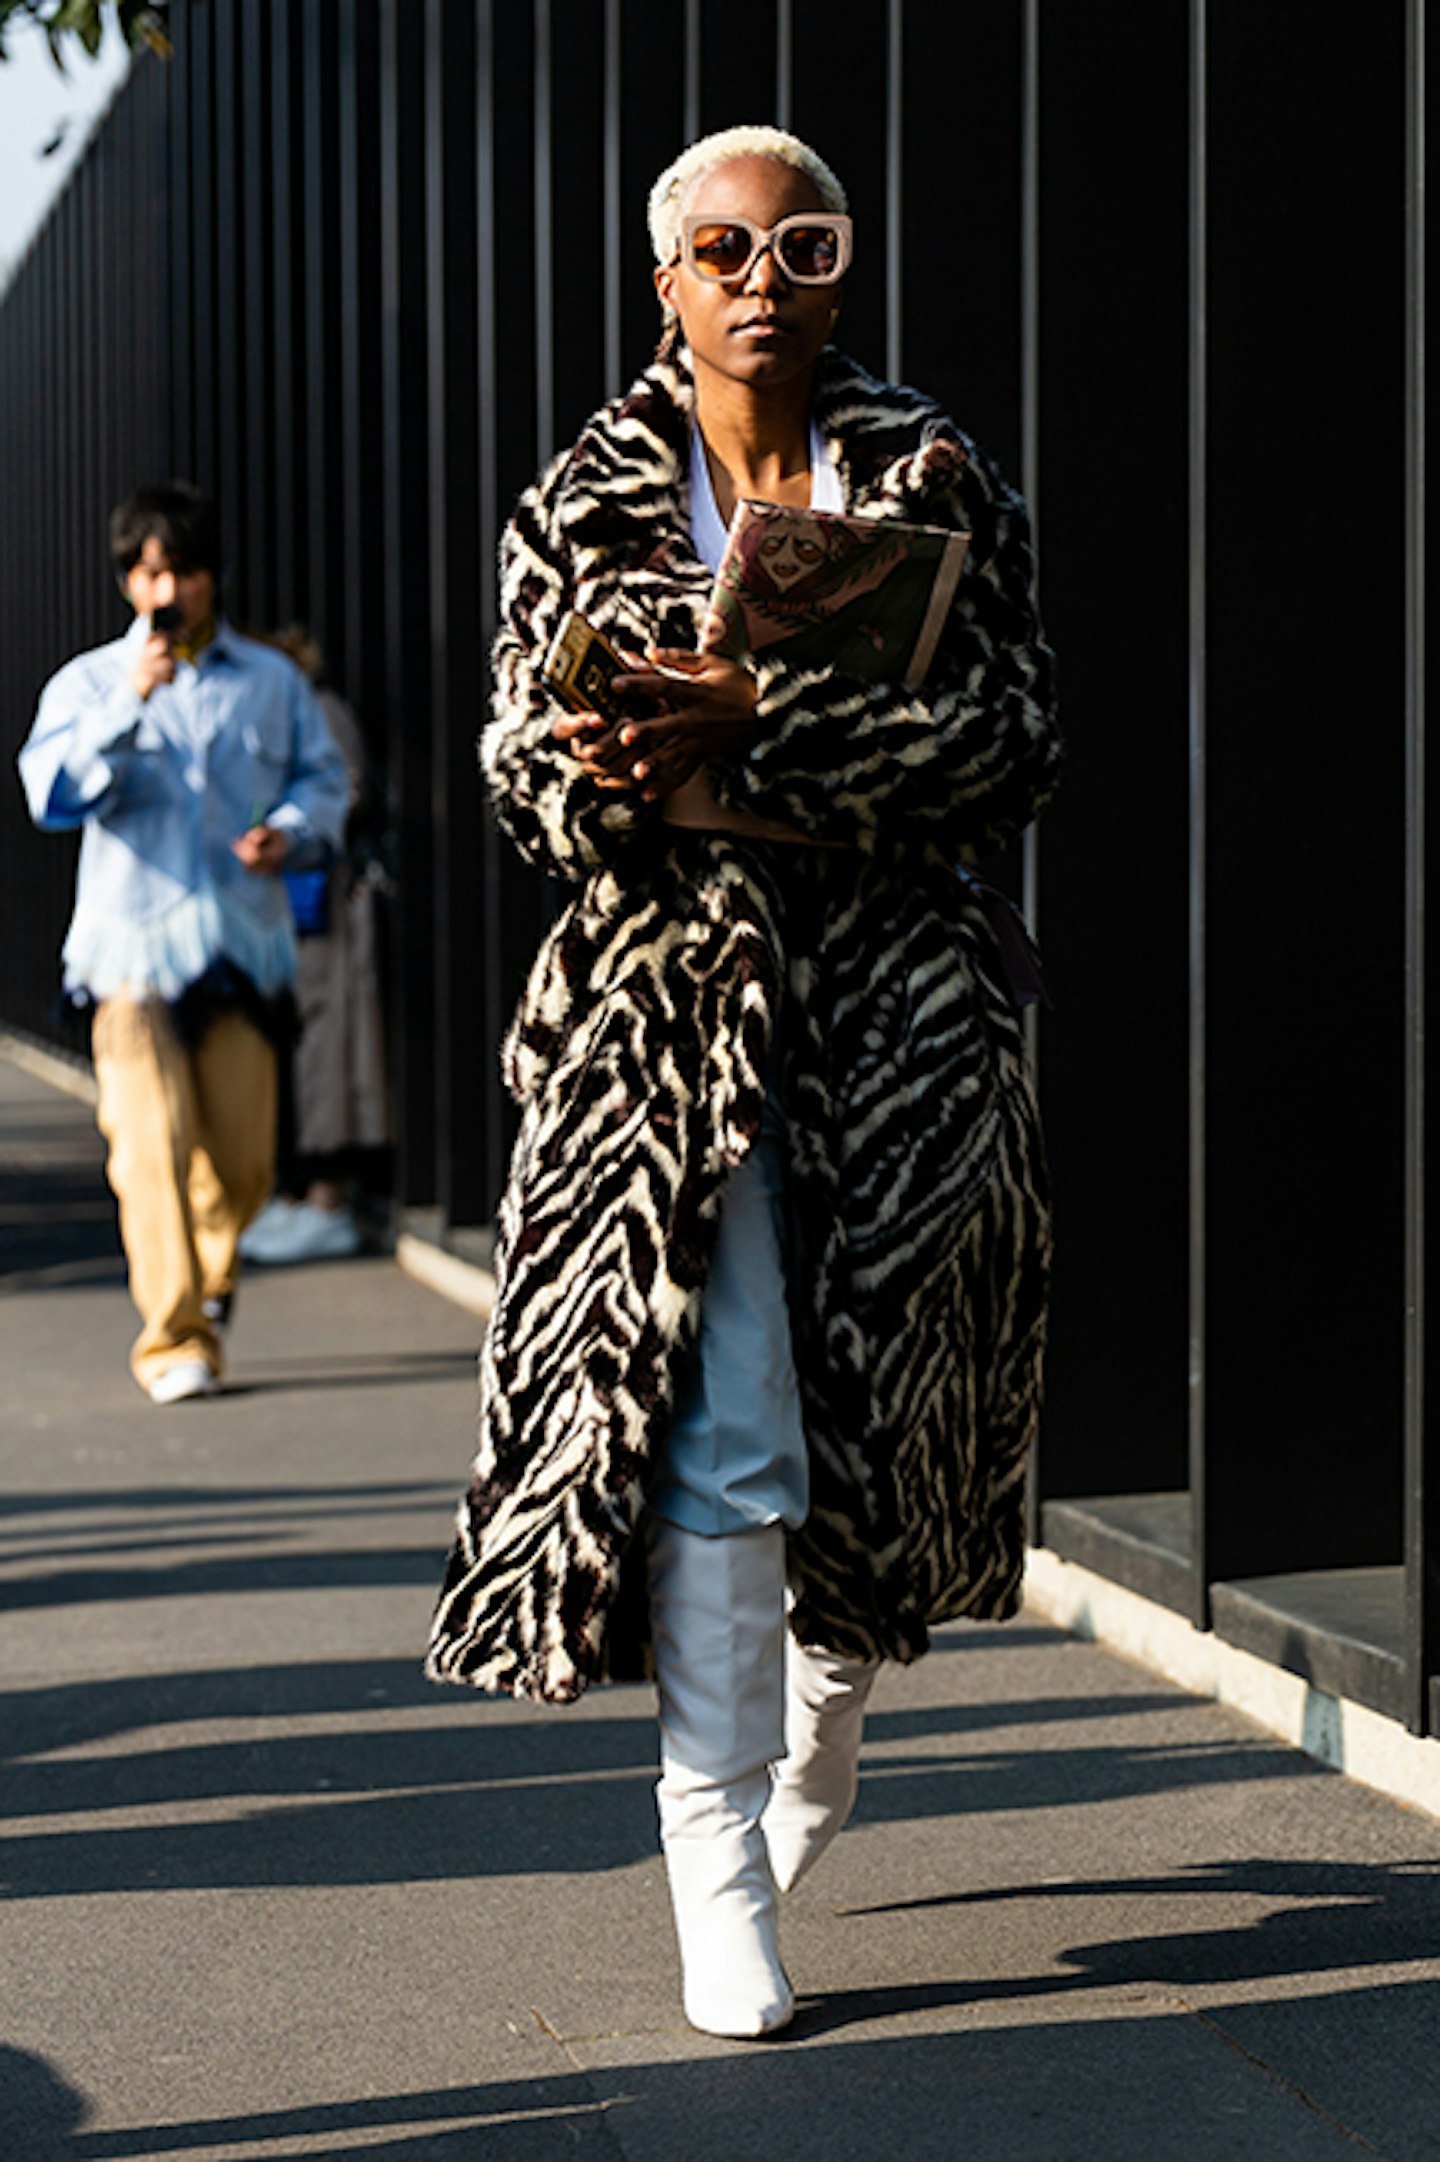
265, 1892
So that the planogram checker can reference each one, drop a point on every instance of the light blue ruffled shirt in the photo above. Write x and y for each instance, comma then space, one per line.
162, 786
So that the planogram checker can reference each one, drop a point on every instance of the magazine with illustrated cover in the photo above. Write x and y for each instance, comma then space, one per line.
865, 596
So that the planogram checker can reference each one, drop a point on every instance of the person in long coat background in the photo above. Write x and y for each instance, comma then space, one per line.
764, 1365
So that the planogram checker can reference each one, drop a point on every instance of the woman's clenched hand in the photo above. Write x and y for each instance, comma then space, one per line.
705, 709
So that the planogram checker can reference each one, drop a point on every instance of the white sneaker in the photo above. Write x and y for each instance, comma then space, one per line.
302, 1232
186, 1378
266, 1226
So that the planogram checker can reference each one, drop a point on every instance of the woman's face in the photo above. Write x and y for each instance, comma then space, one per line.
759, 329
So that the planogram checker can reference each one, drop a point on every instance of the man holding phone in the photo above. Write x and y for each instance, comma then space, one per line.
197, 764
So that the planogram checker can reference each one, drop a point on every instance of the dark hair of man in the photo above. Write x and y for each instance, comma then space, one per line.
184, 521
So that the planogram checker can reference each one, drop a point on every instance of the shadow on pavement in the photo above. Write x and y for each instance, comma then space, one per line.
379, 1804
193, 1504
58, 1221
1323, 1917
1157, 2080
542, 2120
962, 1782
332, 1570
474, 1791
74, 1550
403, 1369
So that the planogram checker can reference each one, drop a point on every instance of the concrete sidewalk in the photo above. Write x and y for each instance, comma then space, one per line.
267, 1893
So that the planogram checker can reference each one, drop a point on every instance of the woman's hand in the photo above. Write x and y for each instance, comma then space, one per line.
706, 710
594, 741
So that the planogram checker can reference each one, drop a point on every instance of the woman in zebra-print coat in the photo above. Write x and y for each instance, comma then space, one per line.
714, 1011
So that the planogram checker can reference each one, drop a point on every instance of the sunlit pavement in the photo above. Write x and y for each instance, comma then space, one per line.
268, 1893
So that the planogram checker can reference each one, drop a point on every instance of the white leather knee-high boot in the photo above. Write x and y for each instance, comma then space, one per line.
718, 1618
814, 1786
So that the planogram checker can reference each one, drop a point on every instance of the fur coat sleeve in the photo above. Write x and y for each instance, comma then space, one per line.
555, 815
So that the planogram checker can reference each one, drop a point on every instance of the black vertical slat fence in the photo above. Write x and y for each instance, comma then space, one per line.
200, 262
456, 577
284, 323
1422, 1266
256, 302
403, 546
1189, 1543
1303, 781
359, 266
1111, 337
227, 247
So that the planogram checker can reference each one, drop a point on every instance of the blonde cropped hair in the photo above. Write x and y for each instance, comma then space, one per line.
671, 191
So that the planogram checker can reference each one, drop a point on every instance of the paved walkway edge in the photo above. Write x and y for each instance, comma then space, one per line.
1349, 1737
72, 1075
461, 1282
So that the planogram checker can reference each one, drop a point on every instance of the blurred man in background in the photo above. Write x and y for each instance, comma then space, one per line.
198, 766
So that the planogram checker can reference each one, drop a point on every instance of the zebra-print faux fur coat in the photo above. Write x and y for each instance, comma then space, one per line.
917, 1182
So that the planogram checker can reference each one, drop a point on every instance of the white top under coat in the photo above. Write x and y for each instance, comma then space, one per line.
707, 527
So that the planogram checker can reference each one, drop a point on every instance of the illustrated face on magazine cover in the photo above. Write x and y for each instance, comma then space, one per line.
806, 557
792, 553
863, 596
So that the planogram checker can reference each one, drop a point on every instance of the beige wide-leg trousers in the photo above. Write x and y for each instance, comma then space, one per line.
191, 1133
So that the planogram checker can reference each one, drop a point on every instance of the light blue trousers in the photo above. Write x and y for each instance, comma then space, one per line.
735, 1452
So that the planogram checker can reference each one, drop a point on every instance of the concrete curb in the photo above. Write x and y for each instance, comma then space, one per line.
72, 1075
461, 1282
1348, 1737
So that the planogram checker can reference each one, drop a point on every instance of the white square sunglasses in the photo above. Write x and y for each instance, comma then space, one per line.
811, 247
